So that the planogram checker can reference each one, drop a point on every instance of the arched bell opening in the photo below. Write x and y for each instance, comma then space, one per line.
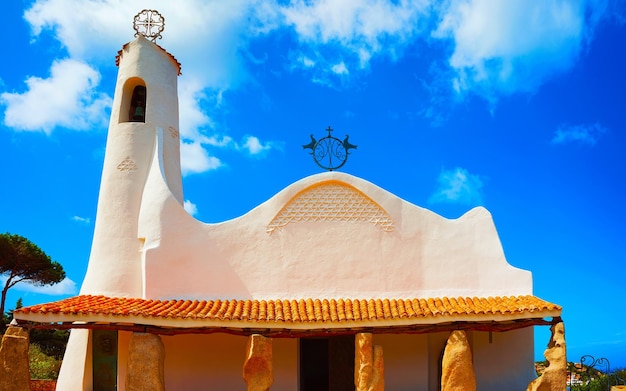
134, 101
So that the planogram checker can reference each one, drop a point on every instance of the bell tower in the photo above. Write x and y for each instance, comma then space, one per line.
144, 114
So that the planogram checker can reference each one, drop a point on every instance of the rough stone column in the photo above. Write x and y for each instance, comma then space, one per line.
554, 378
14, 371
257, 367
369, 367
457, 369
146, 357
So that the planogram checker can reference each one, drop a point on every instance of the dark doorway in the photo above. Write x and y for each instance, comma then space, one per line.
327, 364
104, 349
314, 364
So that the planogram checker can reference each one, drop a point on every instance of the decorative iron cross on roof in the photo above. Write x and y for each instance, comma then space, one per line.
329, 152
150, 24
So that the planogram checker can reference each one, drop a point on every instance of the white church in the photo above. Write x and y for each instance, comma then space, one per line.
331, 284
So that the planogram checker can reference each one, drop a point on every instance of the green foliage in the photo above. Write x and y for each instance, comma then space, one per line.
45, 351
597, 381
50, 342
42, 366
593, 385
601, 384
22, 260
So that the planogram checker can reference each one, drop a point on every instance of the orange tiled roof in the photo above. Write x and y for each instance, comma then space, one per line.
291, 314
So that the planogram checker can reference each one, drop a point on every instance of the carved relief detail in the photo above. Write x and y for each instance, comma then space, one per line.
173, 132
332, 201
127, 164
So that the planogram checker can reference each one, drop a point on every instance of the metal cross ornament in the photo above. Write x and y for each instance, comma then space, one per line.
329, 152
149, 23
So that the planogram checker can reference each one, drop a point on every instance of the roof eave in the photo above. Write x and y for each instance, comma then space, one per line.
492, 322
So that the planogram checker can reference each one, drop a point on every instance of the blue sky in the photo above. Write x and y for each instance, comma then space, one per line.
517, 106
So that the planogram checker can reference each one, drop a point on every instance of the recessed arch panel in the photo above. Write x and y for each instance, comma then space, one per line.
134, 99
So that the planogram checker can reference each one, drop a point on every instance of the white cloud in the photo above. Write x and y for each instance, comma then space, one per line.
218, 141
65, 287
582, 134
335, 36
306, 61
193, 119
195, 159
83, 220
458, 186
190, 207
253, 145
65, 99
76, 23
362, 28
501, 47
340, 69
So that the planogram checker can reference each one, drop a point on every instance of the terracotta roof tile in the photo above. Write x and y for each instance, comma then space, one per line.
302, 313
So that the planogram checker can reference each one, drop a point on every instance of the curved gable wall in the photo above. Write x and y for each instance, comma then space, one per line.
330, 235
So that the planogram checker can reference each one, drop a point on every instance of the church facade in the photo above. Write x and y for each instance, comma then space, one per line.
331, 284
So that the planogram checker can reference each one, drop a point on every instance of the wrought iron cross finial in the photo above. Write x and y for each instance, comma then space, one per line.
149, 23
329, 152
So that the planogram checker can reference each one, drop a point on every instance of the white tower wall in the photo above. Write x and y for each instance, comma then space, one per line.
115, 261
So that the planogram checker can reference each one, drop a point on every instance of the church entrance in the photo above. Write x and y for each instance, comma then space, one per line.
327, 364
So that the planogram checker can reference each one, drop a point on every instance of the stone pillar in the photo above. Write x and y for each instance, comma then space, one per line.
554, 377
257, 367
457, 369
146, 357
14, 370
369, 367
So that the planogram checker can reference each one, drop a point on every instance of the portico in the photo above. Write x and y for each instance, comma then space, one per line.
361, 323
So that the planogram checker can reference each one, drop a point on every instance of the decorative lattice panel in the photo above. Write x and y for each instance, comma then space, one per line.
332, 201
127, 165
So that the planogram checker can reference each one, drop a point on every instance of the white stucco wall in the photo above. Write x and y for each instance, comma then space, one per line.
425, 255
505, 363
